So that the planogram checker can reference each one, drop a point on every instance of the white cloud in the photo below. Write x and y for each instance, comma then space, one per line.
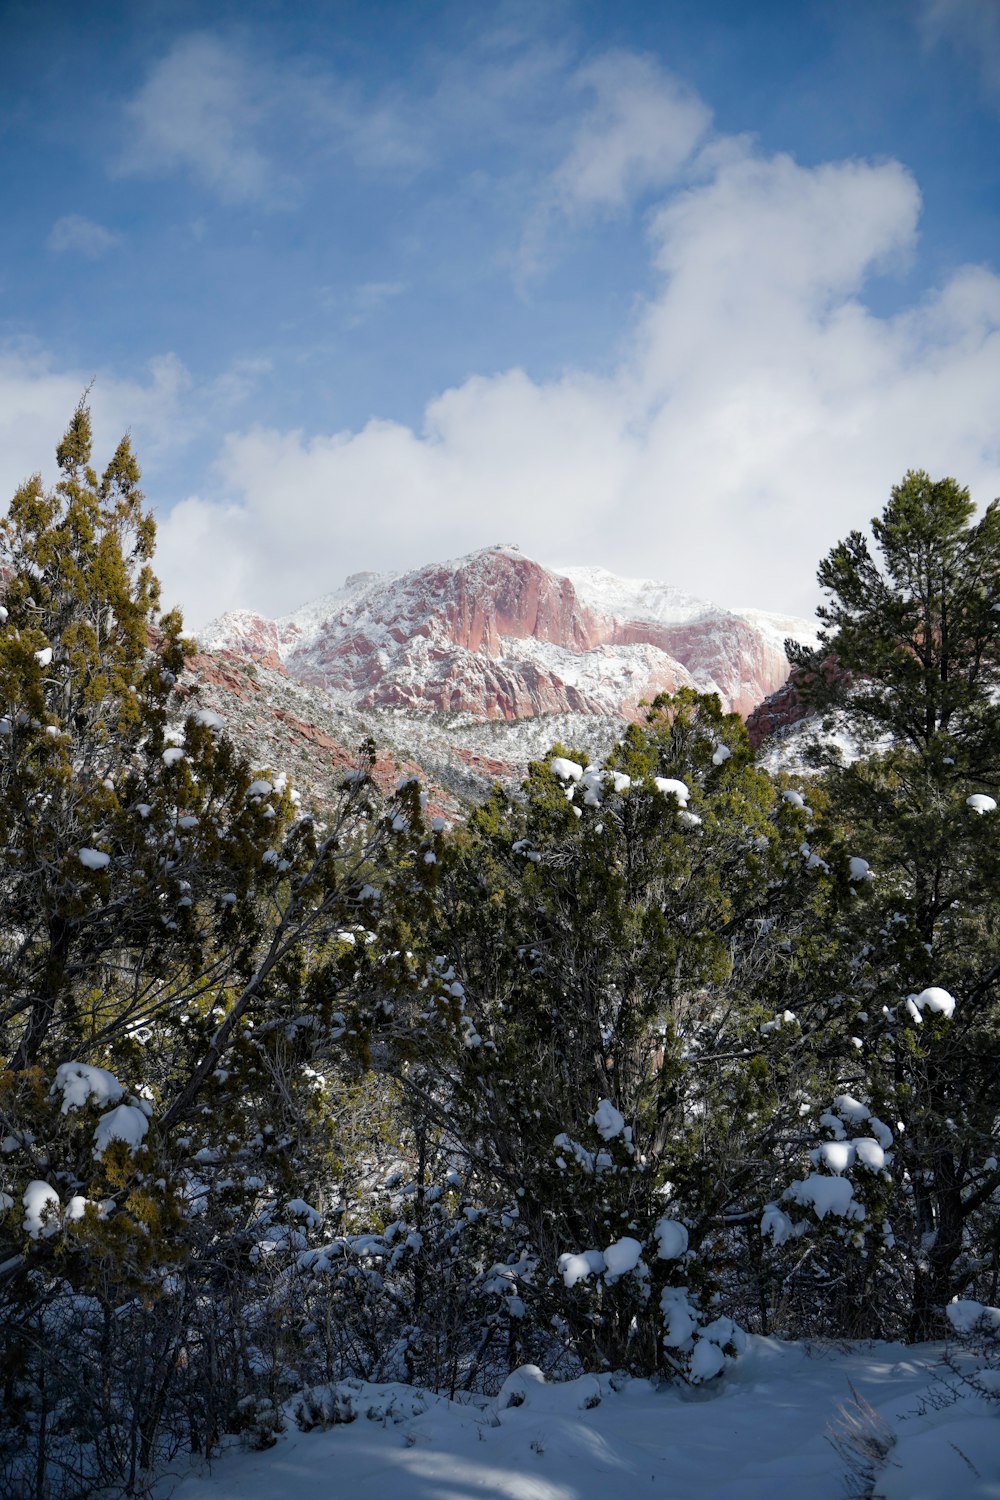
643, 127
165, 409
762, 409
75, 233
199, 111
37, 400
638, 134
369, 298
971, 26
214, 108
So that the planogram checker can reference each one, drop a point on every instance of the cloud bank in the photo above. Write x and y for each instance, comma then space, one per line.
760, 408
761, 403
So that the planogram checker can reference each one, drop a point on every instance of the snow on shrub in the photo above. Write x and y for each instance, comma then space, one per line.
41, 1210
622, 1258
934, 999
845, 1204
671, 1239
967, 1316
668, 786
81, 1083
696, 1348
94, 859
607, 1120
566, 770
128, 1123
576, 1268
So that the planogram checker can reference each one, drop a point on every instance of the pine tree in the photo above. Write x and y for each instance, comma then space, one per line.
917, 625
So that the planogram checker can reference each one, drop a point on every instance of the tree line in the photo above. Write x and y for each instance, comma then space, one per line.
644, 1056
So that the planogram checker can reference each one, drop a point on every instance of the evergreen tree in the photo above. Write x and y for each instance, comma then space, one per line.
173, 978
917, 625
607, 949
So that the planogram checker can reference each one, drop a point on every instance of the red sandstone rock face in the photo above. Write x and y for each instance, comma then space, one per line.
788, 705
499, 636
254, 637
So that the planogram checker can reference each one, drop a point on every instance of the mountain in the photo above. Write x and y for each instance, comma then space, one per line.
499, 637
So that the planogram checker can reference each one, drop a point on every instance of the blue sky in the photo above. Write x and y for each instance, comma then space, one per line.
679, 288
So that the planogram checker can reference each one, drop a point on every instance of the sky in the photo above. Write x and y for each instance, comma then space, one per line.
678, 289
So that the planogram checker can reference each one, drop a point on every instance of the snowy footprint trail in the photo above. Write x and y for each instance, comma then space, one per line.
760, 1434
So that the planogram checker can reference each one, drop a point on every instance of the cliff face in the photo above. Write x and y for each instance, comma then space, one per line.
789, 704
498, 636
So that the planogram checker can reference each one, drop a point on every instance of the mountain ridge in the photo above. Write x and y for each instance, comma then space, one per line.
497, 635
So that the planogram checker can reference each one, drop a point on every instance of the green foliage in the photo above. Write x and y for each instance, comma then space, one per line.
916, 626
602, 934
919, 630
168, 916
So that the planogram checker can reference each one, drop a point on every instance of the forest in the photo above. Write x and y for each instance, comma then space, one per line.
639, 1059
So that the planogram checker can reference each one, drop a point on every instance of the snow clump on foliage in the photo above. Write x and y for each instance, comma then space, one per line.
94, 859
936, 1000
41, 1209
79, 1083
128, 1123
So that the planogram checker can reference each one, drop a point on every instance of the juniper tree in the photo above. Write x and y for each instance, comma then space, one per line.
169, 956
612, 942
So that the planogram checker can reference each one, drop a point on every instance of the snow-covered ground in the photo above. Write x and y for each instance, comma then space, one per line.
760, 1433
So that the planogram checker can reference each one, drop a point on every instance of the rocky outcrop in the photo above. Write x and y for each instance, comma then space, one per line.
790, 704
498, 636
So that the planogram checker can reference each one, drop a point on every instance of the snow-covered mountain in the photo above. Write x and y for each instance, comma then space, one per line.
498, 636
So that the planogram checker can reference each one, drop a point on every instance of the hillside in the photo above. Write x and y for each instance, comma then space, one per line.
500, 637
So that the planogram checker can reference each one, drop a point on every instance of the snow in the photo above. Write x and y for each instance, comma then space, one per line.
835, 1156
826, 1195
783, 1018
574, 1268
622, 1257
722, 754
671, 1239
41, 1209
94, 859
860, 869
127, 1123
965, 1316
566, 770
79, 1083
670, 787
707, 1360
776, 1223
980, 803
849, 1108
300, 1209
869, 1154
172, 755
680, 1320
934, 999
260, 788
608, 1121
757, 1433
44, 657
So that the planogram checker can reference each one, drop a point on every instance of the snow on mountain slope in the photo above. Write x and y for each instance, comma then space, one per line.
636, 598
499, 636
